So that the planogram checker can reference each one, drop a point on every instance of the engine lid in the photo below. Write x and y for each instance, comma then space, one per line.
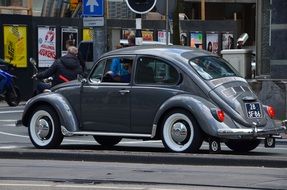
239, 97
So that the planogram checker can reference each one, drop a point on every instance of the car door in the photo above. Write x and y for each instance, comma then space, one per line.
105, 104
156, 81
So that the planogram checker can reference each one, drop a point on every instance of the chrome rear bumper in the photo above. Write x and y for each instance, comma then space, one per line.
252, 132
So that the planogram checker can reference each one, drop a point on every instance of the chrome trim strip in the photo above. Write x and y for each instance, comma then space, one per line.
220, 81
251, 132
65, 132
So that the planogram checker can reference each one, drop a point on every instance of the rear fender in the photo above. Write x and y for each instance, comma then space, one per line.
198, 107
63, 108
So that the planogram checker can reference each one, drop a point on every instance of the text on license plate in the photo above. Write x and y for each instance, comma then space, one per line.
253, 110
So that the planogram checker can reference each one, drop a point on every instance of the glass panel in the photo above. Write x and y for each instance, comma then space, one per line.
18, 3
210, 67
37, 6
98, 72
120, 69
150, 70
14, 7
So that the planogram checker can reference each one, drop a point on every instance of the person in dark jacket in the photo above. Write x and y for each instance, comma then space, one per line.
64, 69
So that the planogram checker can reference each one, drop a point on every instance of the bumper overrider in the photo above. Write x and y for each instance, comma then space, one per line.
253, 132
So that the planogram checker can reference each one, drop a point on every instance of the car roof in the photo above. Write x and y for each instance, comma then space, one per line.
167, 51
145, 42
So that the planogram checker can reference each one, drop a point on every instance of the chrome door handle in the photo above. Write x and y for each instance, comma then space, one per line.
124, 92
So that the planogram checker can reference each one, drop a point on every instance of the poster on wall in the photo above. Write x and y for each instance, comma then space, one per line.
46, 46
147, 35
68, 35
196, 39
161, 36
88, 34
227, 41
15, 45
212, 42
126, 33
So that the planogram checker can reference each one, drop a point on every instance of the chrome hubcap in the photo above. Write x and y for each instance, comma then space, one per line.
43, 128
270, 141
179, 132
214, 146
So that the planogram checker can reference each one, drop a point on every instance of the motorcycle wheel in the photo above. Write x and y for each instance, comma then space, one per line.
13, 96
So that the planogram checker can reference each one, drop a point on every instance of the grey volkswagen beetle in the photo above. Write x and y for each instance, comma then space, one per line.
179, 95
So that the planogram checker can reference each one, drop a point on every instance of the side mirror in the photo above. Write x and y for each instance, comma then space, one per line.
81, 78
34, 63
32, 60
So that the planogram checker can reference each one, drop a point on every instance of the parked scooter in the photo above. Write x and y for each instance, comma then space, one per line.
35, 85
10, 92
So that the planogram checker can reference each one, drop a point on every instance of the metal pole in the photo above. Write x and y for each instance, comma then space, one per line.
99, 40
258, 37
138, 35
202, 9
166, 22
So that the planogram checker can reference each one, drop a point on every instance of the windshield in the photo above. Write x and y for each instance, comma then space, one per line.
210, 67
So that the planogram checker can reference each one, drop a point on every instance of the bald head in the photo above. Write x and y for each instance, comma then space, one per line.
72, 50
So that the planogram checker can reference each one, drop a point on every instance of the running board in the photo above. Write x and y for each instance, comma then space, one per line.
65, 132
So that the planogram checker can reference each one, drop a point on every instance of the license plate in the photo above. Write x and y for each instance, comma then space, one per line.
253, 110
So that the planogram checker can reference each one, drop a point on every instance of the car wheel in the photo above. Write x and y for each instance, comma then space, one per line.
44, 128
180, 132
13, 96
107, 141
242, 145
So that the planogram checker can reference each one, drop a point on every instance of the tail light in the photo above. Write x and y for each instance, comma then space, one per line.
271, 112
218, 114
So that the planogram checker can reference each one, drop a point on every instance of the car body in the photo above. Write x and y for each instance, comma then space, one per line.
180, 95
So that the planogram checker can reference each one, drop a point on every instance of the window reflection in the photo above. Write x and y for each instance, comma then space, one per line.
209, 67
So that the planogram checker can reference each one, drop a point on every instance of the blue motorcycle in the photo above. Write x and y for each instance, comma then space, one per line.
8, 90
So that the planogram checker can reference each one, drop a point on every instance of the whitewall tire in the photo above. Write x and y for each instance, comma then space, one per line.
44, 128
180, 132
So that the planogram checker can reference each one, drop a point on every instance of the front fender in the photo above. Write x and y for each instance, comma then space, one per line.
63, 108
198, 107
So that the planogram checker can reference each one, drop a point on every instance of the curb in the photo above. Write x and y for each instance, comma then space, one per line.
149, 158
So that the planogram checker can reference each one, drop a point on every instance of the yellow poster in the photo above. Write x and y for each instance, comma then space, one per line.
15, 45
87, 34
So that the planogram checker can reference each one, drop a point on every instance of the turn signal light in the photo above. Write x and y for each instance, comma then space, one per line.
218, 114
271, 112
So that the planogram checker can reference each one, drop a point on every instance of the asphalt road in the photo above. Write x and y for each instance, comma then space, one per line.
80, 163
15, 143
144, 176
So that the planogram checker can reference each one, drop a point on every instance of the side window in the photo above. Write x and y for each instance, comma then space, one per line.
154, 71
98, 72
118, 70
114, 69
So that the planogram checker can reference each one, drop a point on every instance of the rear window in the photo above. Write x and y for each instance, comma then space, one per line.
210, 67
